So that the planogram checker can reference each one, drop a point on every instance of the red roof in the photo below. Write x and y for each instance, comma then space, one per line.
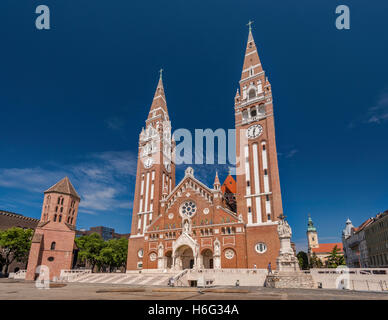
328, 247
229, 185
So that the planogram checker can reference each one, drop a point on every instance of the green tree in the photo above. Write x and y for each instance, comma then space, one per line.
335, 259
114, 254
315, 262
90, 247
15, 245
303, 260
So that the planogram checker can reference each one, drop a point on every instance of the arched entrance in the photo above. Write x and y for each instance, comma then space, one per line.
168, 259
207, 259
184, 257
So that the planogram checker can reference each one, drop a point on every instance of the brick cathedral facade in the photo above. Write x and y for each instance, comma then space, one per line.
191, 225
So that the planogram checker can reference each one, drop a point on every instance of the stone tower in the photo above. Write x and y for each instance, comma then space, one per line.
53, 241
258, 187
312, 235
155, 173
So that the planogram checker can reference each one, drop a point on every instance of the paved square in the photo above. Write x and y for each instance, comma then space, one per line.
21, 290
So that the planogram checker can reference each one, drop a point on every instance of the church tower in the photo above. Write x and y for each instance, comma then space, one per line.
53, 241
155, 174
312, 235
258, 187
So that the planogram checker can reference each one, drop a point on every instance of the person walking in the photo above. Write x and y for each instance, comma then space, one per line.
269, 268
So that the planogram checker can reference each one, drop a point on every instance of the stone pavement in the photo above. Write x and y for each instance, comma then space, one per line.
20, 290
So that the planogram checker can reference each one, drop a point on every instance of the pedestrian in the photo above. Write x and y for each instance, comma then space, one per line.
254, 266
269, 268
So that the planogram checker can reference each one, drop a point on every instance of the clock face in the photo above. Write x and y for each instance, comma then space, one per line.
254, 131
148, 162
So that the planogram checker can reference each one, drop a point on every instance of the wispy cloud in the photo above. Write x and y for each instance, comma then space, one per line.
376, 114
103, 180
291, 152
115, 123
379, 112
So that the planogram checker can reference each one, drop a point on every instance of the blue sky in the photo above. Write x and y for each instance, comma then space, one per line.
73, 99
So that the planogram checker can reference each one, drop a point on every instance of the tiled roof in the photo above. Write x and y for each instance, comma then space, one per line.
363, 225
328, 247
17, 215
229, 185
64, 186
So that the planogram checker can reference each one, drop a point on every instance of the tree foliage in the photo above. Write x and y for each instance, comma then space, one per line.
315, 262
114, 254
335, 259
15, 244
90, 247
102, 254
303, 260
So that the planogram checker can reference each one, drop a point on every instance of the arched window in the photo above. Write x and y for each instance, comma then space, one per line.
59, 199
253, 113
60, 218
62, 201
262, 109
55, 217
52, 246
252, 93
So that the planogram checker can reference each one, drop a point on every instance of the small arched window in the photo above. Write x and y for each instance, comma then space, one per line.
252, 93
55, 217
52, 247
60, 218
262, 108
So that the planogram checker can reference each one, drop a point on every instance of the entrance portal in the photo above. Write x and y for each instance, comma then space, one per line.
168, 259
184, 257
207, 259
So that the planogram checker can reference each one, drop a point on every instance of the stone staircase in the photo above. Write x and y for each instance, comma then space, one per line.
142, 279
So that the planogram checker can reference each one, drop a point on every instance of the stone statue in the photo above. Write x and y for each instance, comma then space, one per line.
286, 260
160, 251
284, 229
216, 248
186, 226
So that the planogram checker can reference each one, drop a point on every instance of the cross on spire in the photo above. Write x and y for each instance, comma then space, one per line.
249, 24
161, 72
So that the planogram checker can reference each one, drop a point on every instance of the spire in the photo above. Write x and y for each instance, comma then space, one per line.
310, 225
159, 100
216, 180
65, 187
217, 184
251, 59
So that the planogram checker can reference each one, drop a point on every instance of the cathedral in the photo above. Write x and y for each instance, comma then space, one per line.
191, 225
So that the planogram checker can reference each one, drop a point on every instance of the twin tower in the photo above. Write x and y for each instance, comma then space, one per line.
189, 225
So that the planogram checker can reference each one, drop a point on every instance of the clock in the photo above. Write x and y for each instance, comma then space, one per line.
148, 162
254, 131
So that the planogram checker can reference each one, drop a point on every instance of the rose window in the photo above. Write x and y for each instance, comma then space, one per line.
229, 254
188, 208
